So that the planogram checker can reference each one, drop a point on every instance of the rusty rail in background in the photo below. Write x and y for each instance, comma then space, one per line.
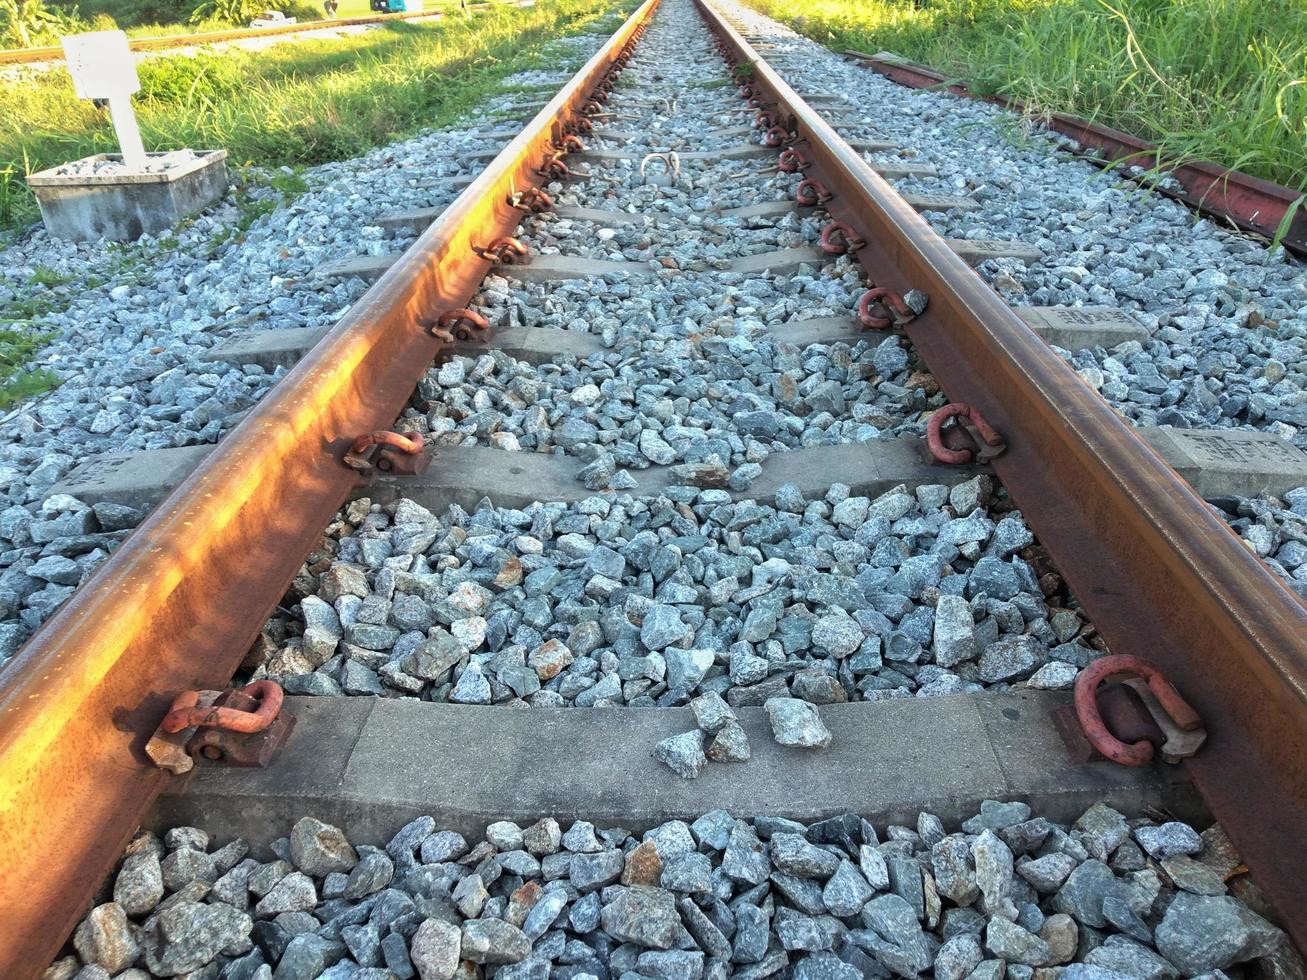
1159, 574
178, 604
1250, 203
20, 56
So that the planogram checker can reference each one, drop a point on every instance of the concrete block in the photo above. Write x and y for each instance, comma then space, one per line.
616, 135
455, 183
976, 250
548, 268
137, 479
494, 134
536, 345
822, 330
123, 207
411, 219
465, 474
1216, 462
267, 348
745, 151
603, 216
763, 209
894, 170
1067, 327
780, 263
941, 202
369, 765
366, 267
1076, 327
872, 146
1231, 462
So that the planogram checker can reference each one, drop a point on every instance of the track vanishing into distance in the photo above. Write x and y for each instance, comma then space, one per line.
821, 680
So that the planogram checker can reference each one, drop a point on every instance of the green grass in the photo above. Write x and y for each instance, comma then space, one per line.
165, 18
1221, 80
23, 332
293, 104
290, 107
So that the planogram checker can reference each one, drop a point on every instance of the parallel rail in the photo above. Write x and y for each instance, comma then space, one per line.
25, 56
178, 604
1251, 204
1160, 575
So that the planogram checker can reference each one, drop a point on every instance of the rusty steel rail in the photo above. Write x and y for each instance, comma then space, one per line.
1159, 574
178, 604
20, 56
1250, 203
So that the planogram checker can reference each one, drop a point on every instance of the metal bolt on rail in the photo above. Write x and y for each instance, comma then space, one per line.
553, 167
239, 727
883, 309
973, 440
461, 324
1181, 727
532, 200
502, 251
397, 453
811, 192
837, 238
791, 162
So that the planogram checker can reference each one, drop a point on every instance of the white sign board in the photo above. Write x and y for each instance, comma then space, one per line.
102, 67
101, 64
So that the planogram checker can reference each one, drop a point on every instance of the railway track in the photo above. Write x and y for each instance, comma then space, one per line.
768, 606
55, 53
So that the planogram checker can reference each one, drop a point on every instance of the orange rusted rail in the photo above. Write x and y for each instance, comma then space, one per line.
1250, 203
1160, 575
177, 605
20, 56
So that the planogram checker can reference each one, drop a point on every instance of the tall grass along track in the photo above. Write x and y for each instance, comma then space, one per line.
1204, 79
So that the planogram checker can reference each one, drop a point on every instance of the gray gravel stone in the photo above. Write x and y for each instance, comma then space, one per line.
731, 744
847, 890
494, 941
711, 713
1010, 942
683, 754
139, 885
104, 937
643, 915
318, 848
1169, 839
796, 723
794, 855
189, 935
1200, 933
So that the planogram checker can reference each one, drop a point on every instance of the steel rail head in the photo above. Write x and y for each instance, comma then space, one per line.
176, 606
1158, 572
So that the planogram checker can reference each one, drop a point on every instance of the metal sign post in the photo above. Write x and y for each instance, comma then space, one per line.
102, 67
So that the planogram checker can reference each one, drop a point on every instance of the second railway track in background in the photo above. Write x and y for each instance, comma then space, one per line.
804, 552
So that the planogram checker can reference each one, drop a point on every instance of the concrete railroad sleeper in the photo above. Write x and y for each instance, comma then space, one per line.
178, 604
